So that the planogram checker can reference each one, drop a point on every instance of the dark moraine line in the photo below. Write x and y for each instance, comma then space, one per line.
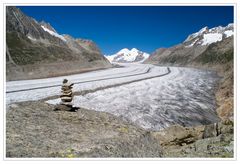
58, 85
84, 92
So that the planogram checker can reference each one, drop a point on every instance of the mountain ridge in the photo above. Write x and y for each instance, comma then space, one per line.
128, 56
206, 36
36, 50
192, 47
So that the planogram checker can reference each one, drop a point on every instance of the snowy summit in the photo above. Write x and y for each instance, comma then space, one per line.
127, 56
208, 36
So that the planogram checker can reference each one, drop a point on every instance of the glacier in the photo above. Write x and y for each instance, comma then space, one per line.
152, 97
183, 97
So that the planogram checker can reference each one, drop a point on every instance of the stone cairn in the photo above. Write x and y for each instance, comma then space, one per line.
66, 97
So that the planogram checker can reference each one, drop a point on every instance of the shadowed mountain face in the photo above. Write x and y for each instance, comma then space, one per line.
36, 50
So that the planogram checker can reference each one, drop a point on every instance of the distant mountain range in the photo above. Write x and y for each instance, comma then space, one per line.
128, 56
192, 50
36, 50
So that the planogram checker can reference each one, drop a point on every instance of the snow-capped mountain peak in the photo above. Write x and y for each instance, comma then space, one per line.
126, 56
207, 36
124, 50
204, 29
194, 35
134, 50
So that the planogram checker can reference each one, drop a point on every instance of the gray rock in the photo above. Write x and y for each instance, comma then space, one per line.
210, 130
205, 144
224, 128
230, 147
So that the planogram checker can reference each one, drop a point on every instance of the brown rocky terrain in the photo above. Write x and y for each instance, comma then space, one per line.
205, 141
33, 129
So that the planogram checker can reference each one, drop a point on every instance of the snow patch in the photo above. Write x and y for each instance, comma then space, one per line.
194, 35
53, 33
31, 38
204, 29
228, 33
192, 43
211, 38
110, 58
230, 25
207, 36
123, 51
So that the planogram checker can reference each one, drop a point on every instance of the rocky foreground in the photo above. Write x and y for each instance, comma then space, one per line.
34, 129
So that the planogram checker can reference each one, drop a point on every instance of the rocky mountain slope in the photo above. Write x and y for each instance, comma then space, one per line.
193, 47
35, 49
209, 49
127, 56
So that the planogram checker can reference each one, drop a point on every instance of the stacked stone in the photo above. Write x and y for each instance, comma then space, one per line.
67, 94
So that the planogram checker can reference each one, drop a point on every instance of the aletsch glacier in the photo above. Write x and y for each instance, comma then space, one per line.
184, 96
150, 96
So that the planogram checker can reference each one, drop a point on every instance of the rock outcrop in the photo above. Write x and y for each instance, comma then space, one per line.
214, 140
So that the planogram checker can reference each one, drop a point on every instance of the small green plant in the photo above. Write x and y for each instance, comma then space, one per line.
68, 154
123, 129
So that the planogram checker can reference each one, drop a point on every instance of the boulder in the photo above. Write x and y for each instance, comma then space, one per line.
225, 127
178, 135
210, 130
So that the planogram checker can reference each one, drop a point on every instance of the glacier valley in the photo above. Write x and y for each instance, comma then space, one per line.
150, 96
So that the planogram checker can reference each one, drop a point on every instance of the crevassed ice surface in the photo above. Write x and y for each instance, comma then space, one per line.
185, 97
86, 81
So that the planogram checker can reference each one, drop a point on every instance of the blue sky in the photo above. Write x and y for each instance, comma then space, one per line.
145, 28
